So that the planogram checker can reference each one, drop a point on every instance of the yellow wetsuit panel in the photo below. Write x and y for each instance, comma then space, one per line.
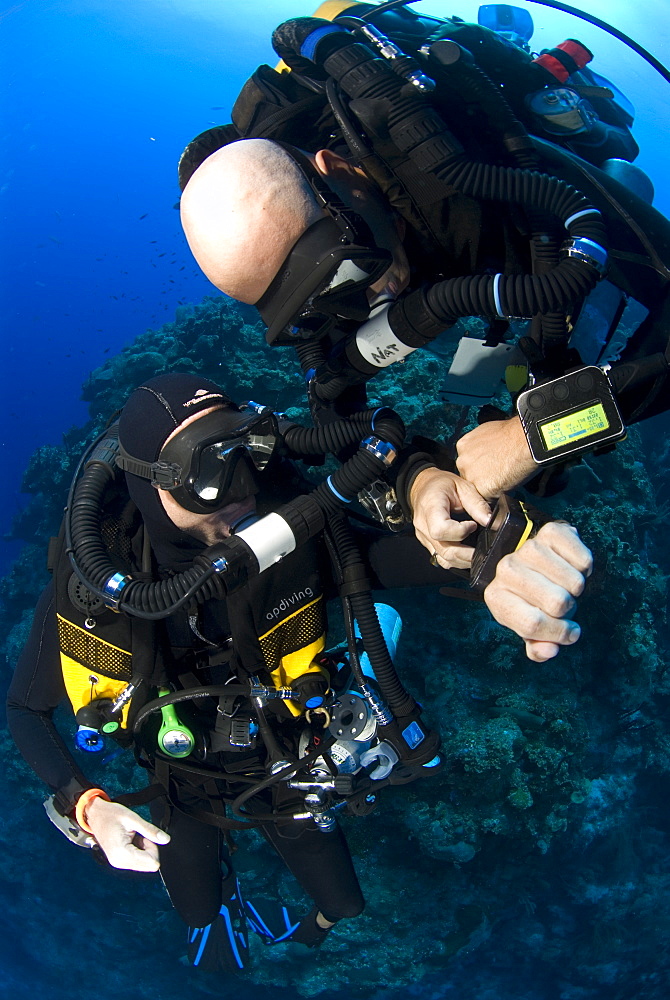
92, 668
291, 645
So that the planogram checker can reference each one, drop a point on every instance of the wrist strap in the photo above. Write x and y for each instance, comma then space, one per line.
83, 801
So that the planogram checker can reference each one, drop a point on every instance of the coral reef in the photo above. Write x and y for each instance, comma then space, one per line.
536, 856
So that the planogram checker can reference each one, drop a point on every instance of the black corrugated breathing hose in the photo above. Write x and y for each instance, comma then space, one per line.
355, 581
419, 131
228, 565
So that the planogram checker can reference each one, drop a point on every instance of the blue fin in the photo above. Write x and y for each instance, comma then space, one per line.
223, 945
268, 918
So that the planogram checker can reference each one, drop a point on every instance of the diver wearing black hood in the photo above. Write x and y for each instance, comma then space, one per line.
151, 414
253, 724
194, 648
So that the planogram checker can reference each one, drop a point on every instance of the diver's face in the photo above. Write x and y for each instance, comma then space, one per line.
357, 191
208, 528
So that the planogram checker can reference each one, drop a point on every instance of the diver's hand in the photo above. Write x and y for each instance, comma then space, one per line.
434, 497
495, 457
535, 588
127, 840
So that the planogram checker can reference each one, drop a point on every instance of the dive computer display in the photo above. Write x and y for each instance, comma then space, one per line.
570, 415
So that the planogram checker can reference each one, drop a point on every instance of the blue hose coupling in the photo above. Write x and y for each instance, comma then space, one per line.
382, 450
112, 589
308, 47
587, 252
256, 407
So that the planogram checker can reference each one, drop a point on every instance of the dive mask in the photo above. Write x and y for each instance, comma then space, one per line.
325, 277
213, 461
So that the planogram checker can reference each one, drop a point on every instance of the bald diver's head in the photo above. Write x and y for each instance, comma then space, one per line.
245, 206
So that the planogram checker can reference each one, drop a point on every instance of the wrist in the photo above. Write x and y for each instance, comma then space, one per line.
86, 802
419, 465
65, 798
517, 436
422, 480
409, 466
524, 465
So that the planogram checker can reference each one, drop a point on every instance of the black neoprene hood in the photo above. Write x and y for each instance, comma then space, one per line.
153, 411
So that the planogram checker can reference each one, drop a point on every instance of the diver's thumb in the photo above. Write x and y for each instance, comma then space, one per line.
150, 832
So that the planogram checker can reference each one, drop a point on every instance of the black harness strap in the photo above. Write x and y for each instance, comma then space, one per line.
205, 786
270, 126
141, 797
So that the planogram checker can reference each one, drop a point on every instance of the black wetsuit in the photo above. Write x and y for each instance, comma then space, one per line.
191, 863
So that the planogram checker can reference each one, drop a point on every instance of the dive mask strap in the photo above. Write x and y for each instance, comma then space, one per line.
162, 475
352, 226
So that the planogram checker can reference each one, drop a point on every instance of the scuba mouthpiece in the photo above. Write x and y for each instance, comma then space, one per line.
523, 101
394, 745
